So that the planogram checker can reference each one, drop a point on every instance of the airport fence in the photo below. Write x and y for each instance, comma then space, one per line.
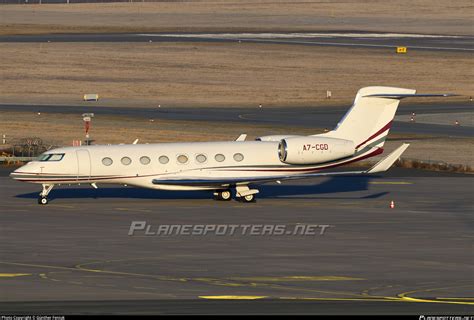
15, 160
432, 165
429, 165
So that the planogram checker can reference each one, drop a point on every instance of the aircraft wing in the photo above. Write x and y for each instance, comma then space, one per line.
381, 166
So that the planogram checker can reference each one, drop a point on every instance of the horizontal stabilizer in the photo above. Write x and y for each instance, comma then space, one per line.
413, 95
388, 161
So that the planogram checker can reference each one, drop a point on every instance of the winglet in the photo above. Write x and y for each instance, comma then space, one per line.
388, 161
242, 137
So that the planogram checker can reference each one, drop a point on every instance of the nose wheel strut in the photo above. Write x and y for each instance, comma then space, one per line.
43, 196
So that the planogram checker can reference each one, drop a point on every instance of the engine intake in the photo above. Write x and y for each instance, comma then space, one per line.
313, 150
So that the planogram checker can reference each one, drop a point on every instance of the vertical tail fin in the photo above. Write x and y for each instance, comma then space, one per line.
368, 121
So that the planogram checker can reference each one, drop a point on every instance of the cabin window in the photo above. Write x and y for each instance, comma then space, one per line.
51, 157
238, 157
107, 161
201, 158
219, 157
182, 159
163, 159
126, 161
145, 160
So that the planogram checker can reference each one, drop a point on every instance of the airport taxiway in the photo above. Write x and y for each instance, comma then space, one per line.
351, 39
314, 117
75, 254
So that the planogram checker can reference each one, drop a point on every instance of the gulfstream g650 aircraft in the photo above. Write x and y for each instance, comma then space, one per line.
223, 166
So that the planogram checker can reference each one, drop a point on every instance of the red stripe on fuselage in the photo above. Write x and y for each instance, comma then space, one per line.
385, 128
308, 170
311, 170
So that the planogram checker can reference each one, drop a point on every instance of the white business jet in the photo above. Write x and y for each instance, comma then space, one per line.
231, 165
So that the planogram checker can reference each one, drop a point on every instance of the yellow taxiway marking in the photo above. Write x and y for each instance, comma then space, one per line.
11, 275
54, 205
297, 278
435, 301
390, 182
401, 297
343, 299
404, 296
39, 266
234, 297
133, 209
460, 298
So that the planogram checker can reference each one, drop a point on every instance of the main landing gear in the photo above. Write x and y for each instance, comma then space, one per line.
223, 195
243, 194
43, 196
247, 199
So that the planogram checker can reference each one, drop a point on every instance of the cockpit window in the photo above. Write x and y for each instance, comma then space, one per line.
51, 157
44, 157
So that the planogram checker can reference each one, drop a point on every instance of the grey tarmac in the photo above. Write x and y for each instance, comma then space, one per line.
75, 254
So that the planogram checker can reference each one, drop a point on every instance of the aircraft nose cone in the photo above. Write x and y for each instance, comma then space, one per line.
15, 173
22, 171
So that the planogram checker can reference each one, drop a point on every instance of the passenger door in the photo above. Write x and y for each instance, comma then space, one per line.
83, 164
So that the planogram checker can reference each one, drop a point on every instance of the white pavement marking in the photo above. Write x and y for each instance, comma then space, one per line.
296, 35
282, 38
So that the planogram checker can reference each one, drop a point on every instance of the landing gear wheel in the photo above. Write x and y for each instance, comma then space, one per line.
224, 195
43, 196
248, 198
245, 194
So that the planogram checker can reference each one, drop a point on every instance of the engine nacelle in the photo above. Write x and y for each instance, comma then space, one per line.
313, 150
275, 137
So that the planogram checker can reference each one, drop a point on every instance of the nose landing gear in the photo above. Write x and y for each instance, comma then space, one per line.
43, 196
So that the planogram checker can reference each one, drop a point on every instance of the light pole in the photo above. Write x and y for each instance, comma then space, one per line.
87, 117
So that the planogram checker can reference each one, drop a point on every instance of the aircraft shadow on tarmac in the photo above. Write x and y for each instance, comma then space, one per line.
331, 186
